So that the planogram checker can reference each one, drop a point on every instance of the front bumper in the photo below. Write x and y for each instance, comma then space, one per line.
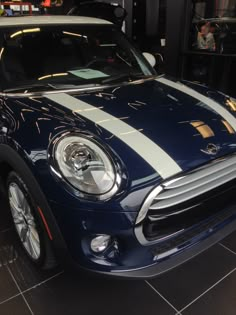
133, 259
178, 255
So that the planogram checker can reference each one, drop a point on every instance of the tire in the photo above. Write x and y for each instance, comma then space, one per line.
28, 223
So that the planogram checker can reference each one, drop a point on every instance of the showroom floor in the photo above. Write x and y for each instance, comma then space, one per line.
205, 285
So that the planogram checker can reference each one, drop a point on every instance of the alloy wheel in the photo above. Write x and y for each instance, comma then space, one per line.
24, 221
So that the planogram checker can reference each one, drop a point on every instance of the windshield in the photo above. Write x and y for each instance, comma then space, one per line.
68, 55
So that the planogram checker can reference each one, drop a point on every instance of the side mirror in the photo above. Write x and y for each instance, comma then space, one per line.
150, 58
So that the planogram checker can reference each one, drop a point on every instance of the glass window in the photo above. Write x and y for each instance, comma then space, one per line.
68, 55
213, 26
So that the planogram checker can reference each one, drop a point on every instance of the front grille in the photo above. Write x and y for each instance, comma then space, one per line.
180, 190
184, 239
189, 199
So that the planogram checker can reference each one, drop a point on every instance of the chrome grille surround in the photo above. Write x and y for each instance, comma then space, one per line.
186, 186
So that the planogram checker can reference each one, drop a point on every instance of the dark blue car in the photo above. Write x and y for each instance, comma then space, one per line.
126, 172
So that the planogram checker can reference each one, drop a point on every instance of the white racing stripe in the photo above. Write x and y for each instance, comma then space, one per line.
161, 162
220, 110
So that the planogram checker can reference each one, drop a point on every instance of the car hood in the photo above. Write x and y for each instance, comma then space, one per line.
160, 124
157, 128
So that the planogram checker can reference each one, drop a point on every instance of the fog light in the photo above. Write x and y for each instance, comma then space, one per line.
100, 243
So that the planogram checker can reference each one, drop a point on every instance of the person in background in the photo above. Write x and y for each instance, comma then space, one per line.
205, 38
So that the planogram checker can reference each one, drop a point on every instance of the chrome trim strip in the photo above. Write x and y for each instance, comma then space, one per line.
142, 240
154, 217
201, 173
147, 203
222, 173
171, 193
194, 193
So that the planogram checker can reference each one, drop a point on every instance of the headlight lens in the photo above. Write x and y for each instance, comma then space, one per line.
85, 165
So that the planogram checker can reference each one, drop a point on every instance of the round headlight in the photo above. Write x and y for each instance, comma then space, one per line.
85, 165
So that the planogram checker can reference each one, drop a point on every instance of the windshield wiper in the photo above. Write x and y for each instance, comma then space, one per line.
27, 87
129, 76
59, 86
54, 86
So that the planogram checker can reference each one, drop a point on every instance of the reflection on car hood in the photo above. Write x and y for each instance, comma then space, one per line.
158, 127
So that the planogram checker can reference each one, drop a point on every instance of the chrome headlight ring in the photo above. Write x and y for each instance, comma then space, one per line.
88, 168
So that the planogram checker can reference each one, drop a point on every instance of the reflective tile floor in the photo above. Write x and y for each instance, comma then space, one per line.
204, 285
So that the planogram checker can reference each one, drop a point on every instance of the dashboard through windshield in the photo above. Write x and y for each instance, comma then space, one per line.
69, 55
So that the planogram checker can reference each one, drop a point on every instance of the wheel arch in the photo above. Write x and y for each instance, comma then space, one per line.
10, 160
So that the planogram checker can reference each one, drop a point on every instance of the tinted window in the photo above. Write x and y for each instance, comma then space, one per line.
69, 54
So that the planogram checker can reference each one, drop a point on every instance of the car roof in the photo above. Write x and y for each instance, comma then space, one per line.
49, 19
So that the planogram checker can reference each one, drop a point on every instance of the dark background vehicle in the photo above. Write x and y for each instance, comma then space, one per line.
224, 31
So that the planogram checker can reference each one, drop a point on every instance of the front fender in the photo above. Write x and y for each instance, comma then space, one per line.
18, 164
